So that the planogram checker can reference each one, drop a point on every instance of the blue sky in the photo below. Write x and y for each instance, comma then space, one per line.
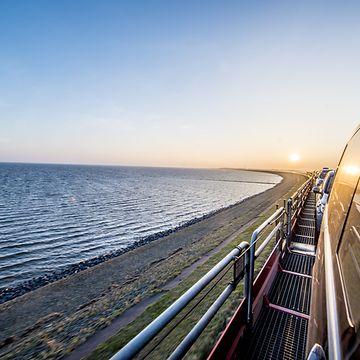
178, 83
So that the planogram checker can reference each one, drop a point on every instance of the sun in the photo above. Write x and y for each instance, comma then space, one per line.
294, 157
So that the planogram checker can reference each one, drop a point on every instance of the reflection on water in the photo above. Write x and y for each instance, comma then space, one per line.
55, 215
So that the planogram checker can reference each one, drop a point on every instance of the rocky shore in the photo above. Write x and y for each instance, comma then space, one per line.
9, 293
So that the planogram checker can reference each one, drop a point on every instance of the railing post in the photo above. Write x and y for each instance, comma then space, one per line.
284, 226
276, 223
280, 235
289, 224
251, 276
247, 285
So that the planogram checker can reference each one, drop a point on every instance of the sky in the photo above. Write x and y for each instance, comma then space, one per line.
248, 84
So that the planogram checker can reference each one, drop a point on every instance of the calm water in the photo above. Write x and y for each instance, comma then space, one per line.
52, 216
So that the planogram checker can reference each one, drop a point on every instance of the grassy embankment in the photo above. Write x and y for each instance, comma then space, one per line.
206, 341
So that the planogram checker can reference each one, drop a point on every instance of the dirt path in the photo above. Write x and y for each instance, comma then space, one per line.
132, 313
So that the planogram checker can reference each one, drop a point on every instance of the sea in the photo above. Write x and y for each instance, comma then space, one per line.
53, 216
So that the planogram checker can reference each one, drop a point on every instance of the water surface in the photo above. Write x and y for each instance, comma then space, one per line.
52, 216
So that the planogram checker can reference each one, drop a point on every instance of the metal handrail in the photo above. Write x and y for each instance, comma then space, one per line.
146, 335
294, 204
333, 334
278, 214
250, 254
200, 326
267, 240
299, 197
189, 340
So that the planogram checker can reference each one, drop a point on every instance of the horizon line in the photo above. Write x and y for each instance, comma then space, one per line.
150, 166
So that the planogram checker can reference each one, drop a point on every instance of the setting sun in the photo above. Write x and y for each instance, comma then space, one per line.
294, 157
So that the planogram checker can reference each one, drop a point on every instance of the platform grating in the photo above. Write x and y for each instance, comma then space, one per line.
309, 203
306, 217
308, 214
305, 231
309, 206
278, 335
304, 239
307, 222
291, 291
301, 264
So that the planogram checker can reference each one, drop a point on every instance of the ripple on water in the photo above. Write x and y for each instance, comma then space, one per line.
53, 216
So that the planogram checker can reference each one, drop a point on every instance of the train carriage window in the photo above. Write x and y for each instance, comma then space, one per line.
328, 185
349, 256
343, 189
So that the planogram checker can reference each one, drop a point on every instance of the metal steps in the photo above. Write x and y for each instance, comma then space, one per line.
307, 222
309, 240
280, 331
307, 231
297, 263
282, 337
291, 292
305, 227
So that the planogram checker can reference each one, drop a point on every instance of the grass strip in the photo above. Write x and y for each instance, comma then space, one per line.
210, 335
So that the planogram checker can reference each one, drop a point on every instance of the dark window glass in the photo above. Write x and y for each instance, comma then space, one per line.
343, 189
349, 254
328, 184
323, 174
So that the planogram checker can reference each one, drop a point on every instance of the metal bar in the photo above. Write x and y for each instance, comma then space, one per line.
247, 280
288, 311
296, 273
281, 234
289, 217
253, 240
146, 335
276, 215
302, 192
334, 343
267, 240
297, 201
189, 340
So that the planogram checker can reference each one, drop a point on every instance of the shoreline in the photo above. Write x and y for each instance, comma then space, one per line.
71, 310
11, 292
90, 344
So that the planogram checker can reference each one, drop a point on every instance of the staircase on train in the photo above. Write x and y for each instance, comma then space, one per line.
281, 329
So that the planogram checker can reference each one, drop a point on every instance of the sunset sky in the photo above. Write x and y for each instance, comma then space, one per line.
256, 84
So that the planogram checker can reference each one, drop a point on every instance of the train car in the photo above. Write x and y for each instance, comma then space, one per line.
335, 303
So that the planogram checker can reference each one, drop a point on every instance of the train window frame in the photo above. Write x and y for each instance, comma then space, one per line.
353, 321
342, 191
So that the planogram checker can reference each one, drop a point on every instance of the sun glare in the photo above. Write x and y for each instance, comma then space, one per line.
294, 157
352, 169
